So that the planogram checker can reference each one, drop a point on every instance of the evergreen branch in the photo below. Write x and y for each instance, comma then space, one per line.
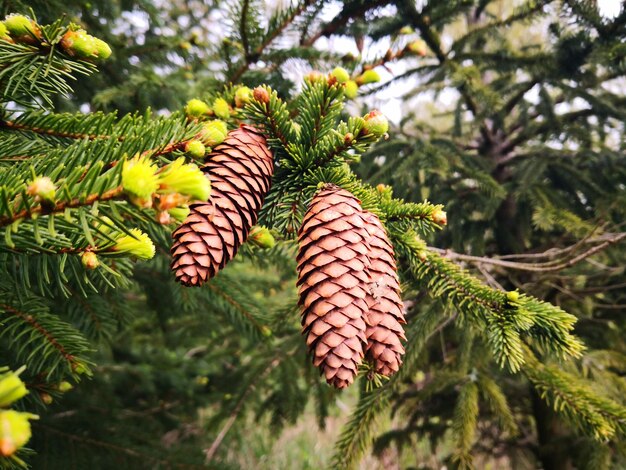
432, 39
464, 424
350, 10
271, 35
595, 415
210, 452
115, 193
17, 126
549, 266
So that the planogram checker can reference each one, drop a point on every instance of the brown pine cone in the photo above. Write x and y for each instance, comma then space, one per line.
385, 314
332, 283
240, 170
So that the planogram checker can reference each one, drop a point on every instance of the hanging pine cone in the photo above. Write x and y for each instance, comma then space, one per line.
240, 170
385, 314
332, 283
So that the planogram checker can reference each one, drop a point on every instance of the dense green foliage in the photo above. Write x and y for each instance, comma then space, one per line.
515, 354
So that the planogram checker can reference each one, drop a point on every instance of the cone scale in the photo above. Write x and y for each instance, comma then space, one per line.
240, 170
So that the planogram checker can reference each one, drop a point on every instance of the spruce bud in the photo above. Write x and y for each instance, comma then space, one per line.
14, 431
261, 95
262, 237
139, 177
369, 76
376, 123
42, 188
221, 108
439, 217
186, 179
195, 149
350, 89
213, 133
139, 245
340, 74
22, 29
89, 260
11, 389
196, 108
243, 95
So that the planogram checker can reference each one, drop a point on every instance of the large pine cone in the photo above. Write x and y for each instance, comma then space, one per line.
385, 314
240, 170
332, 283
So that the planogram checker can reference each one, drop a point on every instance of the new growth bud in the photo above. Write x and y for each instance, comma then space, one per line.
213, 133
22, 29
11, 389
439, 217
186, 179
376, 123
262, 237
89, 260
137, 244
221, 108
369, 76
195, 149
139, 177
81, 45
261, 95
340, 74
350, 89
196, 108
42, 188
512, 296
14, 431
243, 95
417, 47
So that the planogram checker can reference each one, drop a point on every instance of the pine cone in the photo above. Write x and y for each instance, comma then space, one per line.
385, 314
240, 170
332, 283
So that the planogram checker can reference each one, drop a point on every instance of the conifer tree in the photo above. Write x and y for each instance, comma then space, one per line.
87, 199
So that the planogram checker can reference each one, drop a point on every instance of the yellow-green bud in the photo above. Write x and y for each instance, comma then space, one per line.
79, 44
186, 179
262, 237
103, 50
406, 30
213, 133
42, 188
314, 76
512, 296
350, 89
22, 29
340, 74
369, 76
64, 386
439, 217
11, 389
179, 213
139, 177
89, 260
417, 47
196, 108
266, 331
14, 431
195, 149
139, 245
243, 95
376, 123
221, 108
4, 33
261, 95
